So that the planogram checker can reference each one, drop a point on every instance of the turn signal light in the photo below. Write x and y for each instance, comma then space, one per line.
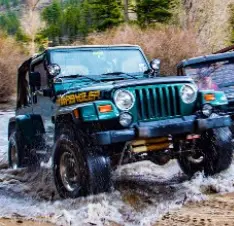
76, 113
105, 108
209, 97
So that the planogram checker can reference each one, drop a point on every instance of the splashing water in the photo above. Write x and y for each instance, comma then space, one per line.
144, 192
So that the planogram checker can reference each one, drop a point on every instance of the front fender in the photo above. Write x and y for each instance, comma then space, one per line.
88, 112
220, 98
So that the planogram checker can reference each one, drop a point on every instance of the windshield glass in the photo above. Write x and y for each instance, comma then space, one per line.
97, 62
214, 75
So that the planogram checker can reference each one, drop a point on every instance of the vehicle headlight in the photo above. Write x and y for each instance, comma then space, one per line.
188, 93
124, 99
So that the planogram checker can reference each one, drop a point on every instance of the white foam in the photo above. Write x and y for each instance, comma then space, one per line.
29, 194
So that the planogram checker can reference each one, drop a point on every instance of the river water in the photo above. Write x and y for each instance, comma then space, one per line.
143, 192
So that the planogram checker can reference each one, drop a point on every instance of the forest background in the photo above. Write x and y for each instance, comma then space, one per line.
171, 30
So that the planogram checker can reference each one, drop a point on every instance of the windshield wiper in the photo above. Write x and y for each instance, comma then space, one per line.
77, 76
120, 73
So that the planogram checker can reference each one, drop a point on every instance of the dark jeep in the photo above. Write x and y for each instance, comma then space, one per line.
97, 107
212, 72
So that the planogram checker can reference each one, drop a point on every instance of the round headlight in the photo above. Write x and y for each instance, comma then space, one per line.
54, 69
188, 93
124, 99
125, 119
207, 110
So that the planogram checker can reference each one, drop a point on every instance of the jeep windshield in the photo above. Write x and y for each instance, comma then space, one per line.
213, 75
99, 62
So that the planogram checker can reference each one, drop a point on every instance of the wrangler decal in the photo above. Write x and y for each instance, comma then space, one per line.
79, 98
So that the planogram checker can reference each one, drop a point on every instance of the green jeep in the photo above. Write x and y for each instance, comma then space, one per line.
93, 108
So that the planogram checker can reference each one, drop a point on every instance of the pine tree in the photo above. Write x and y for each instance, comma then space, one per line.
86, 18
150, 11
71, 21
108, 13
77, 18
53, 16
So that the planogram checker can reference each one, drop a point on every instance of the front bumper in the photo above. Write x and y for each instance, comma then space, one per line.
183, 125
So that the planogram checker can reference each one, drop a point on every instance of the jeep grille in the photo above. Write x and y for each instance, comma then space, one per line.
158, 102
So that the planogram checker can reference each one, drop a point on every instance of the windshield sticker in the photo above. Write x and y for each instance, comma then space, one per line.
142, 67
99, 54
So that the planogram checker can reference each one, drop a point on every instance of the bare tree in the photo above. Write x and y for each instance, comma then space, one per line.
31, 22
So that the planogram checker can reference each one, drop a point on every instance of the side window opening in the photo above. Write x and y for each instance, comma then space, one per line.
43, 74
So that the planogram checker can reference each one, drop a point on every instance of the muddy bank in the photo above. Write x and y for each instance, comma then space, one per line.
217, 210
22, 222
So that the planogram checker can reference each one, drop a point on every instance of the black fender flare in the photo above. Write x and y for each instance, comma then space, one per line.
29, 126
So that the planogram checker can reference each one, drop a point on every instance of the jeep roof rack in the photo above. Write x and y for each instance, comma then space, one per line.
206, 58
227, 49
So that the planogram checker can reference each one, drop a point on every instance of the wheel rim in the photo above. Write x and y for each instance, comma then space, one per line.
196, 159
14, 157
196, 155
69, 172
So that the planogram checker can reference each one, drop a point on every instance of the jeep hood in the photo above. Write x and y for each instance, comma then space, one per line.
76, 87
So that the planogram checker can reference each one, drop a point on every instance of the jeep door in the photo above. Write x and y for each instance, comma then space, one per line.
43, 104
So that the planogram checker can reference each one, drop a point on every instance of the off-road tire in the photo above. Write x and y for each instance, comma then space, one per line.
217, 149
91, 164
99, 173
19, 152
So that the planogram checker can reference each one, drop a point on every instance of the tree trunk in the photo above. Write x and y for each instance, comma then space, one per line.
126, 16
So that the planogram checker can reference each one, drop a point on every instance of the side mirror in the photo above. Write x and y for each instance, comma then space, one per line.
155, 65
35, 79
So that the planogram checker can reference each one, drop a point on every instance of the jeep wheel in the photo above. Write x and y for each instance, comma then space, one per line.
69, 169
14, 152
213, 153
77, 170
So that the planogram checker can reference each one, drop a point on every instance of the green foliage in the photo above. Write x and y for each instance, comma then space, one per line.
53, 15
69, 20
5, 3
151, 11
21, 36
9, 22
8, 3
75, 18
42, 42
108, 13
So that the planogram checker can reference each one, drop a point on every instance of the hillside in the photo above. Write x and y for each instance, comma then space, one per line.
21, 5
211, 19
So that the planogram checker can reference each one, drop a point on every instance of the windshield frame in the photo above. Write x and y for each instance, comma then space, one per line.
216, 65
99, 48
